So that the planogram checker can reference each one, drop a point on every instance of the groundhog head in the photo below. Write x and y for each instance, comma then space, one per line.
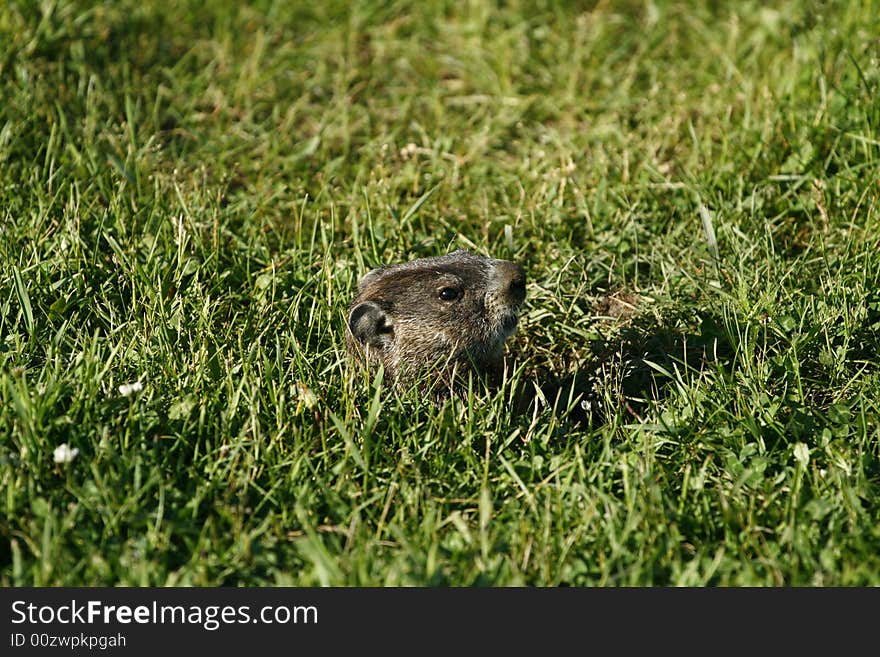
446, 316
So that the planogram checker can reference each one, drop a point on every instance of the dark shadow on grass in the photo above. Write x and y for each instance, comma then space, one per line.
624, 371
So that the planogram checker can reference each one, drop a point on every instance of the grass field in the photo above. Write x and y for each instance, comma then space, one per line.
189, 192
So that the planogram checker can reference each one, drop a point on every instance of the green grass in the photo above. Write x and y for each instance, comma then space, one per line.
189, 193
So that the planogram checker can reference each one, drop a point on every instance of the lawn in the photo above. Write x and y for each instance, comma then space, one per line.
189, 192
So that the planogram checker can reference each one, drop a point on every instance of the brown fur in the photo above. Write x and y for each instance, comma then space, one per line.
400, 319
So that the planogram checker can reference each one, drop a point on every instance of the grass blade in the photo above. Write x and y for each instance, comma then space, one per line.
23, 299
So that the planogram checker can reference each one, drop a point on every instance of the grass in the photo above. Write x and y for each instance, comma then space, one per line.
189, 192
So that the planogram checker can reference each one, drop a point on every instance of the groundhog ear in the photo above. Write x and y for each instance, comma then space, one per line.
370, 325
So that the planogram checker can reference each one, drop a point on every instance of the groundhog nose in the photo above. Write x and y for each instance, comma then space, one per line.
512, 278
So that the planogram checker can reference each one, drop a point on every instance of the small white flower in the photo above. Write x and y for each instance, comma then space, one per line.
128, 389
64, 454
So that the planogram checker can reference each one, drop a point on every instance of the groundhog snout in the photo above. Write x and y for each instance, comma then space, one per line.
511, 279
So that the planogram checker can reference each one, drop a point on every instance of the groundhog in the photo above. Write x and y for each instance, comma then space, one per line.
444, 317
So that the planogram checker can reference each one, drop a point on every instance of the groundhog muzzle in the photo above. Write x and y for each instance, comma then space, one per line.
444, 316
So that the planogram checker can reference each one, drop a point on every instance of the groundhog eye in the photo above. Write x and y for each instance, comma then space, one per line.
448, 294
